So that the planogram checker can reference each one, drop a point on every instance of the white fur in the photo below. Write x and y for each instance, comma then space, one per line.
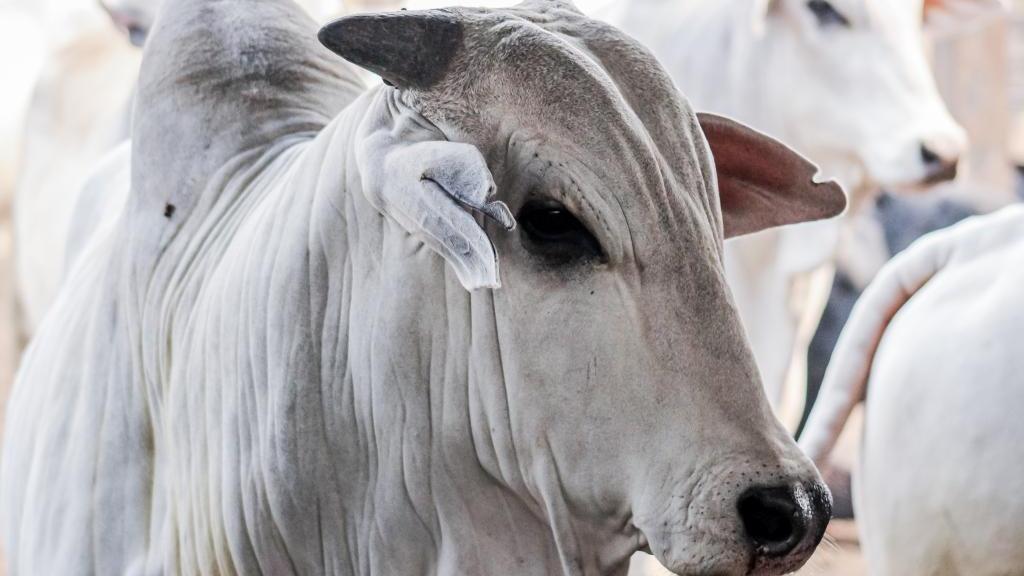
270, 364
933, 345
858, 101
79, 111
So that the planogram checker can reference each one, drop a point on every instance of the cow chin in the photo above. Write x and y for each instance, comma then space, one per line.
690, 554
699, 534
722, 557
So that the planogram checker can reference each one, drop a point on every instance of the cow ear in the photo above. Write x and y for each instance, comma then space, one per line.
432, 189
948, 16
762, 182
408, 49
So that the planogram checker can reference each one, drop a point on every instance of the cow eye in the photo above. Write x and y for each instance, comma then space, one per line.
827, 14
552, 232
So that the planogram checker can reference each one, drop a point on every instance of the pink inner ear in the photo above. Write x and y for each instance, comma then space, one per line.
763, 183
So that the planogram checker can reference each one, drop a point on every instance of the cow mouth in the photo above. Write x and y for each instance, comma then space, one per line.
761, 566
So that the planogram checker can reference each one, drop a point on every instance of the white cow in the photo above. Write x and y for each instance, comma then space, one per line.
21, 57
845, 82
290, 356
934, 345
80, 111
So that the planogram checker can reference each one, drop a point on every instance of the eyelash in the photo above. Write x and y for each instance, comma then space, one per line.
552, 232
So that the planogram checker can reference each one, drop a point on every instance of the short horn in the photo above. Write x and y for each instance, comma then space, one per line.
408, 49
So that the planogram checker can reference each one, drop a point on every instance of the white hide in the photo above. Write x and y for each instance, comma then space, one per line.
30, 31
70, 125
135, 17
99, 203
21, 58
934, 345
79, 111
858, 100
270, 362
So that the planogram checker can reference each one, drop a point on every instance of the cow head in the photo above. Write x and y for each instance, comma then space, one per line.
853, 88
610, 385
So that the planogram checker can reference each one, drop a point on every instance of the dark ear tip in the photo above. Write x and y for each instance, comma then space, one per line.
324, 37
408, 49
833, 198
330, 35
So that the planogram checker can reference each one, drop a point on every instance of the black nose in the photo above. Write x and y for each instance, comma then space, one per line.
777, 519
928, 157
936, 168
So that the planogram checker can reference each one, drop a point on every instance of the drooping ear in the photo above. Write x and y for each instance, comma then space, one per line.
948, 16
762, 182
408, 49
430, 189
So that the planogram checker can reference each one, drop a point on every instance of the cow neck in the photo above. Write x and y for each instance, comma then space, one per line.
420, 469
441, 485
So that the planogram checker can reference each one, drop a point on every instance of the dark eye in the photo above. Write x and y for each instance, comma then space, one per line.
552, 232
827, 14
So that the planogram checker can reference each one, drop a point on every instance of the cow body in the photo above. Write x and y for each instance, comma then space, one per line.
287, 355
930, 344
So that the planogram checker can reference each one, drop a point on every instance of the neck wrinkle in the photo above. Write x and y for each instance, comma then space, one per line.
441, 485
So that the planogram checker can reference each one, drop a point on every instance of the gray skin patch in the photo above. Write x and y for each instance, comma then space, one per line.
406, 49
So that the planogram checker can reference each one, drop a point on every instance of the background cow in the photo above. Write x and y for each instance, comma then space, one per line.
80, 110
70, 125
933, 346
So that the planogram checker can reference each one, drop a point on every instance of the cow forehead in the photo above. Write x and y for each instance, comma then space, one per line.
591, 91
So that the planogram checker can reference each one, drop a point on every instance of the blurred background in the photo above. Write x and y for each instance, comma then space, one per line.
67, 69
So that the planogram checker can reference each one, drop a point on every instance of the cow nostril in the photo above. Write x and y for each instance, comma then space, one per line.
937, 168
772, 519
929, 157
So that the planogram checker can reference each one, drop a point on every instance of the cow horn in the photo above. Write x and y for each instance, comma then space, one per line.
408, 49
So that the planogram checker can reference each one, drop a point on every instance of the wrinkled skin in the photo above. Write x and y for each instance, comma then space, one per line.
69, 128
272, 364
